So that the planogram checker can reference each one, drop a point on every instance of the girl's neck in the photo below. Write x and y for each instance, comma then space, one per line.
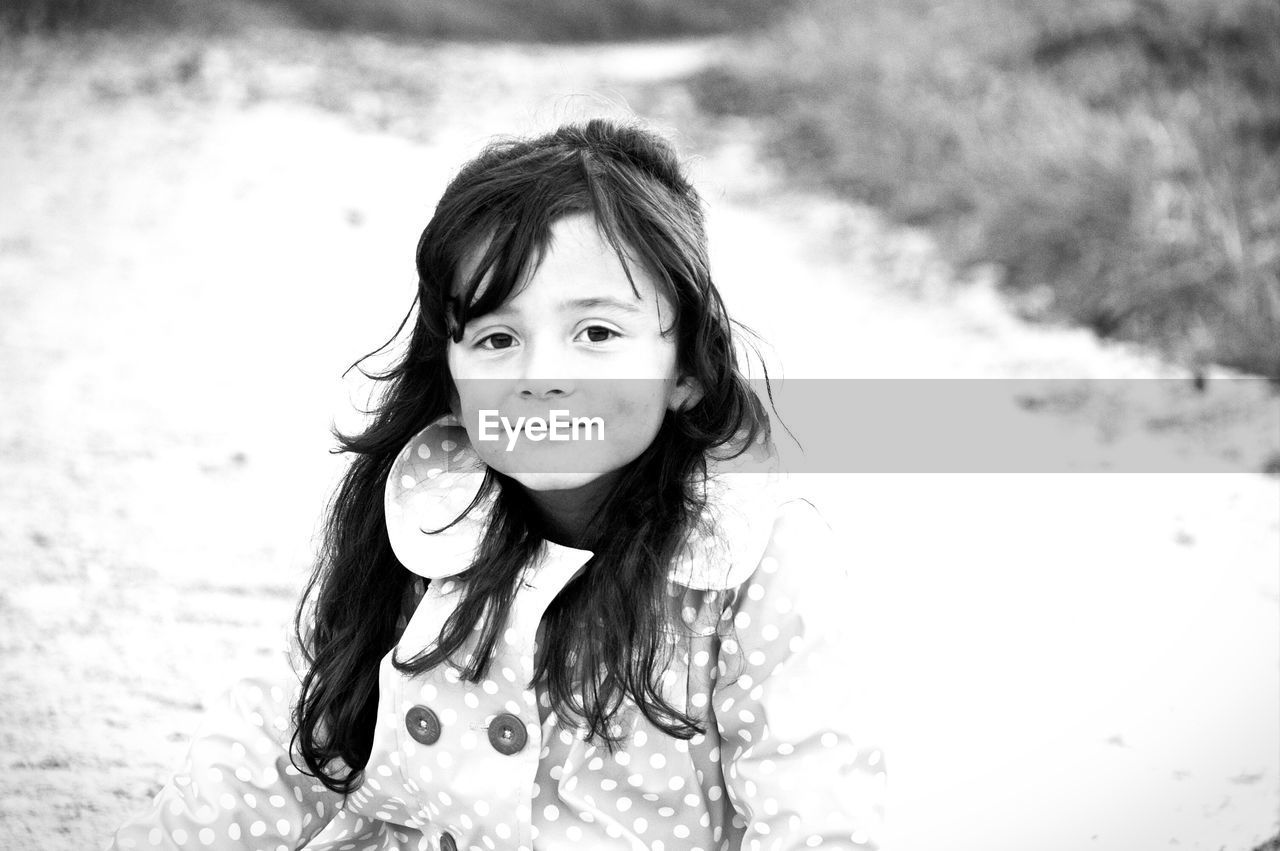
564, 516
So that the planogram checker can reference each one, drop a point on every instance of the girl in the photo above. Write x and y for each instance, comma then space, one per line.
558, 604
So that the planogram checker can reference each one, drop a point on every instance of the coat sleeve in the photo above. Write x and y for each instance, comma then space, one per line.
238, 788
797, 722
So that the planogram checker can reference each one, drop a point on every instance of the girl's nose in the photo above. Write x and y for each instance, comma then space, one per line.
543, 376
541, 390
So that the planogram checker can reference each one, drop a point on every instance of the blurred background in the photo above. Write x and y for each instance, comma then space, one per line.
209, 212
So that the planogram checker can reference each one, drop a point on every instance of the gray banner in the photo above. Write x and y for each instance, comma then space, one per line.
906, 426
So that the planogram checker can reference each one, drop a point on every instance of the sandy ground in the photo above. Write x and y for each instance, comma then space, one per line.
198, 236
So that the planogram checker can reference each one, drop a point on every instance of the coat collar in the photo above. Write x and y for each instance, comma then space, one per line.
437, 475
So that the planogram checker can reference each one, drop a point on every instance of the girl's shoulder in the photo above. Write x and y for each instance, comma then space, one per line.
753, 521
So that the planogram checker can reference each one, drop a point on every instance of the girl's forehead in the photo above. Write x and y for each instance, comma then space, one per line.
576, 268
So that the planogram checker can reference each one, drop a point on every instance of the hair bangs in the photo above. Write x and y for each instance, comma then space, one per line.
630, 212
513, 247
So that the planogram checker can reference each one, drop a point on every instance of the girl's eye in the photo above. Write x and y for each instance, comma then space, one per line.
599, 333
496, 341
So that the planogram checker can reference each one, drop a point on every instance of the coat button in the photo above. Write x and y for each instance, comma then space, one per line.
423, 725
447, 843
507, 733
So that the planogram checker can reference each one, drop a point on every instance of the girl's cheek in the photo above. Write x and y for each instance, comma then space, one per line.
639, 414
457, 362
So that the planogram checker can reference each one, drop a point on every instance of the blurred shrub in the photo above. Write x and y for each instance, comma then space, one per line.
550, 20
57, 15
1119, 159
54, 16
1272, 844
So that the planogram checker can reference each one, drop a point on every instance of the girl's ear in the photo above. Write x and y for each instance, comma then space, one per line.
686, 393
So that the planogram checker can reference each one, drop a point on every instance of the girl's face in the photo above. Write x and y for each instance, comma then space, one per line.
576, 340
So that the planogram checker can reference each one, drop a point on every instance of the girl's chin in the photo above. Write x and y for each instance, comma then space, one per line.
542, 482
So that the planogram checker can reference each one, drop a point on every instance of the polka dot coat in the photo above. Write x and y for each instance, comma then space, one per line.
758, 648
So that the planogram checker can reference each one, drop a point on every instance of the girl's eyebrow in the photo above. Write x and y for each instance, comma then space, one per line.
578, 304
600, 301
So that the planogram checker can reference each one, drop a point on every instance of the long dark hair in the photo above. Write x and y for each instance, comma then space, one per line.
504, 202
